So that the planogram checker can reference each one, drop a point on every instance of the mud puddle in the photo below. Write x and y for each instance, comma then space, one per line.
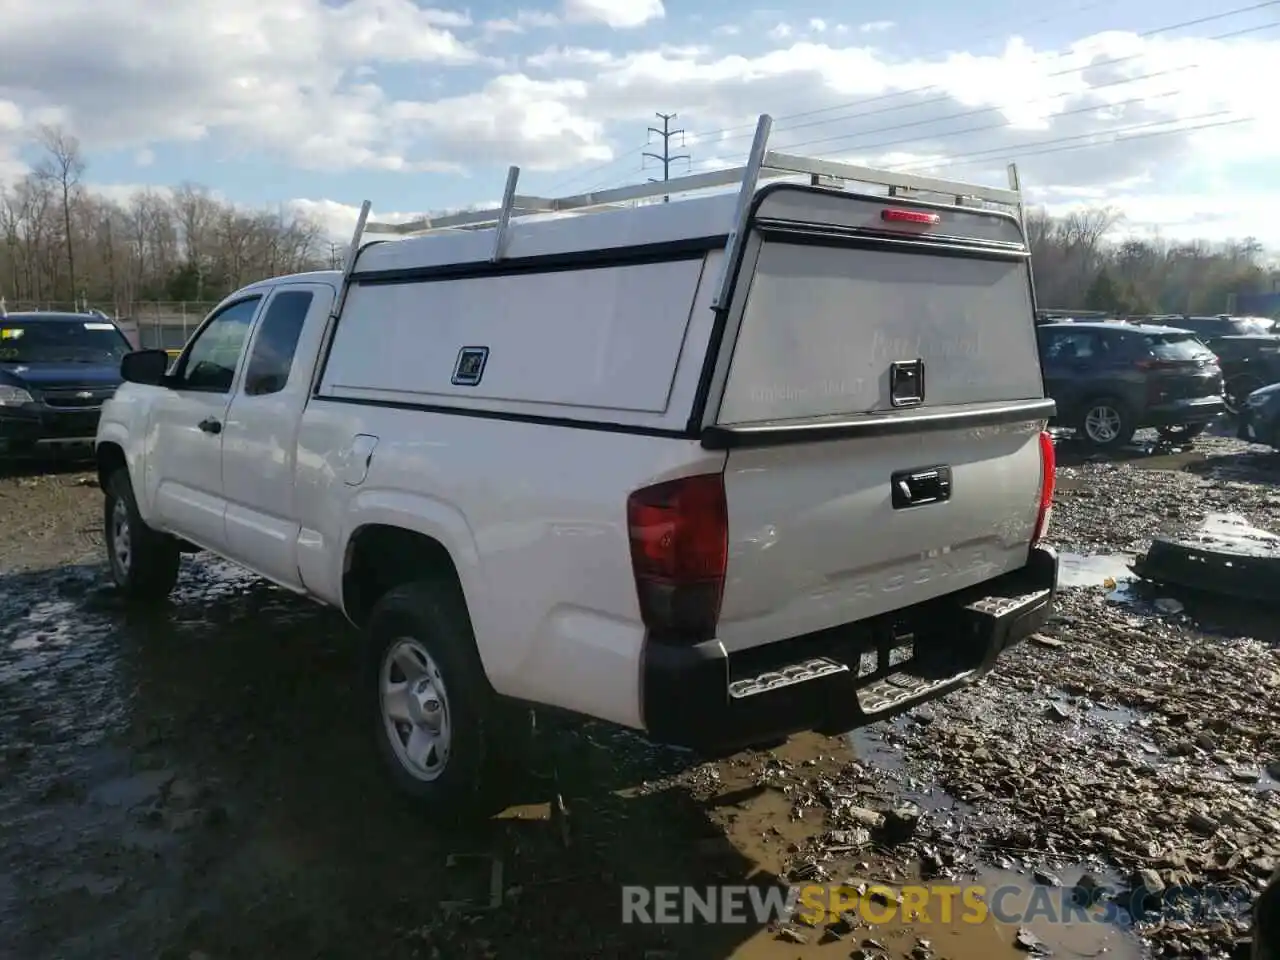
191, 781
1023, 896
1109, 570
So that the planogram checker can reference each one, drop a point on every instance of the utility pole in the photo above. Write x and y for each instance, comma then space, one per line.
666, 158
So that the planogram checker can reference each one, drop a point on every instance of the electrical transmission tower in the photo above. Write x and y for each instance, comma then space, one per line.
666, 158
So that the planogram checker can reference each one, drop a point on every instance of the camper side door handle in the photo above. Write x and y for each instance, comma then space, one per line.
209, 425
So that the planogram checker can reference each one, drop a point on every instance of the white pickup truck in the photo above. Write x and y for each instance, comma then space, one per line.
718, 470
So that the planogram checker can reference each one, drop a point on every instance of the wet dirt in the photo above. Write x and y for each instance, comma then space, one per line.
191, 783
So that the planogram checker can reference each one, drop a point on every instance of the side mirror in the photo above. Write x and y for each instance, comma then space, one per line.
145, 366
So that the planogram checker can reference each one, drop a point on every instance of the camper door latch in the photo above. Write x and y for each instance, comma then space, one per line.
906, 383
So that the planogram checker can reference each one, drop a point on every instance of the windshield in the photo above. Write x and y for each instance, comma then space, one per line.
1177, 346
1252, 325
60, 341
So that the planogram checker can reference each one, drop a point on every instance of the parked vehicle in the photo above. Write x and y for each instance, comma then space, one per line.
718, 470
1110, 380
1248, 363
56, 371
1259, 420
1223, 325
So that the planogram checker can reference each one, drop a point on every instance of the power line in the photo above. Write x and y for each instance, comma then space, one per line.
1045, 99
1055, 56
944, 97
1081, 8
666, 158
1115, 136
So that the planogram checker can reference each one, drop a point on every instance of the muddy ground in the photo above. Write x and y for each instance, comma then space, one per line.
189, 784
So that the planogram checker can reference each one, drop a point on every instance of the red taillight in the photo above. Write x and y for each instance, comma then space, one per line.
679, 551
1048, 479
910, 216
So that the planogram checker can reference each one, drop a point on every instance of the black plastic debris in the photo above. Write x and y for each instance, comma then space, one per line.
1226, 556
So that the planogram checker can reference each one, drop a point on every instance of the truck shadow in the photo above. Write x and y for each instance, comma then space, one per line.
211, 793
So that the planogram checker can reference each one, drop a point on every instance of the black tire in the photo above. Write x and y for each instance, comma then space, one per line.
431, 617
1121, 418
1182, 431
145, 567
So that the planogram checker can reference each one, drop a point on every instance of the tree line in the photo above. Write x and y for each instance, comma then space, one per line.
61, 244
1076, 267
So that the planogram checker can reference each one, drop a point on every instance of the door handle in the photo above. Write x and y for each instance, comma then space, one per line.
915, 488
210, 426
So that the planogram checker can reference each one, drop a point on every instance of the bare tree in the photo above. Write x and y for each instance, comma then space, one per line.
62, 166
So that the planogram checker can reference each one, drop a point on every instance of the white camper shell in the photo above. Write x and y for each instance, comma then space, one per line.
705, 468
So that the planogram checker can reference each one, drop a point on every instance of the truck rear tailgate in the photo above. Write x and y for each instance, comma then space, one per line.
815, 540
882, 409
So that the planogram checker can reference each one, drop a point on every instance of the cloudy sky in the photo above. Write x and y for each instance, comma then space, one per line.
1161, 108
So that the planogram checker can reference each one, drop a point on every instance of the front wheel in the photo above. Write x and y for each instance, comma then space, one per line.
1181, 432
1106, 423
144, 562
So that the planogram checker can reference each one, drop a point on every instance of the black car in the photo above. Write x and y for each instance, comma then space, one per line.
1112, 379
56, 371
1259, 420
1222, 325
1248, 363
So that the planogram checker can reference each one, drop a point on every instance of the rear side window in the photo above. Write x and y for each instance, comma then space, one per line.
1072, 345
1177, 346
276, 343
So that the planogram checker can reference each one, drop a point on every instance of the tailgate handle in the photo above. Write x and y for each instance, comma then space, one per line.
915, 488
906, 383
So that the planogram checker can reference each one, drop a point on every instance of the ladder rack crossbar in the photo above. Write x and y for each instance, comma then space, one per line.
771, 165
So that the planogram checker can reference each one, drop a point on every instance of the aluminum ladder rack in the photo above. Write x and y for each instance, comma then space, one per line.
762, 164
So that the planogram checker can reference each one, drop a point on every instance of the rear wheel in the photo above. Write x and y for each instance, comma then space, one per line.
144, 562
436, 720
1182, 431
1106, 423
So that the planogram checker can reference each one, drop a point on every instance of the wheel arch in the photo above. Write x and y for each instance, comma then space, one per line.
109, 457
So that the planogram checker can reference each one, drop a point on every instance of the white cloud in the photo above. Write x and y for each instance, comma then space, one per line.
301, 80
567, 56
511, 117
263, 75
618, 14
339, 219
523, 21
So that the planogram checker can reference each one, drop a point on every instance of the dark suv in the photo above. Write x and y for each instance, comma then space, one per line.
1222, 326
1248, 363
56, 371
1111, 379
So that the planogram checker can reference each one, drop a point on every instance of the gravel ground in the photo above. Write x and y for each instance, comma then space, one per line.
189, 784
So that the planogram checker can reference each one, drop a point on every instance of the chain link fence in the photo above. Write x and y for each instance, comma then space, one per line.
150, 324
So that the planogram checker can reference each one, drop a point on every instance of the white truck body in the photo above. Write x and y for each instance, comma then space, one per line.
503, 394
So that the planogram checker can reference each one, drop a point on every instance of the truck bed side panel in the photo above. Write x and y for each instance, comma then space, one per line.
535, 520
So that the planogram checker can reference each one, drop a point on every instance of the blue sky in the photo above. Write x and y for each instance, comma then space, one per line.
417, 108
